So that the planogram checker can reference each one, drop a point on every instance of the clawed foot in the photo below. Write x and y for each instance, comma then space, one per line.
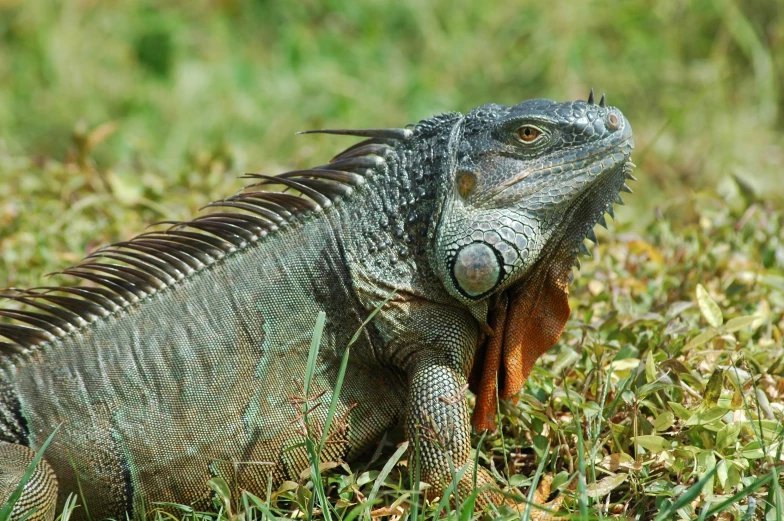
541, 494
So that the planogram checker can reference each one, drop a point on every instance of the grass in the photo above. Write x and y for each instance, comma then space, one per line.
665, 395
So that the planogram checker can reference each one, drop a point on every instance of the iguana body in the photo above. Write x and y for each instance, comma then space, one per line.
187, 359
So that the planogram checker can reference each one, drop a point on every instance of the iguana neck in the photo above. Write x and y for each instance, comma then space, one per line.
388, 226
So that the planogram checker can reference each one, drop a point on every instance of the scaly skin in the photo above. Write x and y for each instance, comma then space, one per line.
168, 377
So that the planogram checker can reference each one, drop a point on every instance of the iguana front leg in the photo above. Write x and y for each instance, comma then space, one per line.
439, 352
438, 425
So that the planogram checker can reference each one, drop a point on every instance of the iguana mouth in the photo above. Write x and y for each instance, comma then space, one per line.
597, 153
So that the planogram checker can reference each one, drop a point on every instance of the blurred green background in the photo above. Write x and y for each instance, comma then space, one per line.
117, 114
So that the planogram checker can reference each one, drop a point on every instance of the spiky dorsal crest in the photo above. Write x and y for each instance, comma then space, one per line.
155, 261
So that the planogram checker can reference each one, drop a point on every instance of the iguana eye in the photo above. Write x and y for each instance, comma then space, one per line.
528, 133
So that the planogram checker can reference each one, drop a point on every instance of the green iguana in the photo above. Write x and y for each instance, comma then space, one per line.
185, 356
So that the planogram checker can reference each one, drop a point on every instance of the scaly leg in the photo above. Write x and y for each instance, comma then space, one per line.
438, 419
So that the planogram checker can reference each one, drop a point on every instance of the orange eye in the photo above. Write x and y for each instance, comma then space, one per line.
528, 133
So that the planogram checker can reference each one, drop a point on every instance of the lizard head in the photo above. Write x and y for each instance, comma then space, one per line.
526, 187
529, 182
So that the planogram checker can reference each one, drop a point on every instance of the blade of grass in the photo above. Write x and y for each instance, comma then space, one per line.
535, 484
476, 459
359, 510
774, 491
415, 480
261, 505
775, 495
314, 452
687, 497
315, 342
747, 491
318, 484
382, 476
313, 455
455, 480
444, 503
342, 372
68, 507
582, 489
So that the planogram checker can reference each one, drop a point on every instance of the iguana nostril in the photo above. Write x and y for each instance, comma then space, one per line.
613, 122
476, 269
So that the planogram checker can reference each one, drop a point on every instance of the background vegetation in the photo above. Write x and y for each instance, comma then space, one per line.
117, 114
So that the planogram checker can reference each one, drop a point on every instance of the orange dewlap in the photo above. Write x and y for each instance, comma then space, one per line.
525, 325
485, 409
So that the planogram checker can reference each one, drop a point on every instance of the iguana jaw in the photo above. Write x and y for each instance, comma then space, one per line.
586, 211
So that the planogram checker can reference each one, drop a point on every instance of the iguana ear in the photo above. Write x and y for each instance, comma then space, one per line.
526, 323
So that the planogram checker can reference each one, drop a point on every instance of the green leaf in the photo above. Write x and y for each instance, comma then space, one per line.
722, 473
714, 387
644, 390
653, 443
605, 485
366, 477
746, 491
650, 367
467, 508
663, 421
689, 496
707, 459
591, 409
710, 310
622, 367
222, 491
701, 339
680, 411
738, 323
705, 416
752, 450
261, 505
125, 188
727, 436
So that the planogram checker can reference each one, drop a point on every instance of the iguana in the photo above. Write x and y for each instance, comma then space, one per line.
184, 357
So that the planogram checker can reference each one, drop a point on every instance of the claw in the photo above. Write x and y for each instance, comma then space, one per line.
540, 496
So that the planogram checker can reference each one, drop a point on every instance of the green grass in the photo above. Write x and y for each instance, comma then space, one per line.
116, 115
